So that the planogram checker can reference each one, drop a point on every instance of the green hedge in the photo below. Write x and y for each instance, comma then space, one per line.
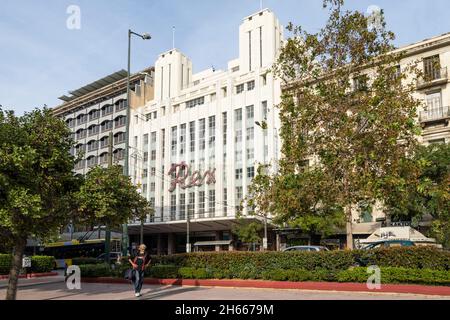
42, 264
251, 262
39, 264
359, 274
398, 275
96, 270
85, 261
5, 263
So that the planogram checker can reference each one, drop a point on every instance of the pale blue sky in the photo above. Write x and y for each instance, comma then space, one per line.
40, 59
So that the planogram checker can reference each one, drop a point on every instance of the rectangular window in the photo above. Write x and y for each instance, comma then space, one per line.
239, 195
145, 140
250, 133
251, 172
432, 68
145, 173
195, 102
251, 85
192, 136
212, 203
224, 128
238, 114
238, 136
163, 144
173, 206
182, 206
238, 175
212, 132
153, 137
250, 153
201, 204
153, 155
264, 109
435, 109
191, 205
152, 187
174, 141
225, 201
240, 88
182, 139
202, 134
250, 111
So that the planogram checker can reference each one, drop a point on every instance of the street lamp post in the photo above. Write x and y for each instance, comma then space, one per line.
144, 36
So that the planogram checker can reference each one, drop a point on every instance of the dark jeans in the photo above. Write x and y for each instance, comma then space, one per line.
138, 281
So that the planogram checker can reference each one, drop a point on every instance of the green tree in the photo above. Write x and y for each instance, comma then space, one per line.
425, 190
36, 181
109, 198
249, 233
348, 112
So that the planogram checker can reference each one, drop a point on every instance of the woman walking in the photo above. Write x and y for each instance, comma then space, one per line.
139, 264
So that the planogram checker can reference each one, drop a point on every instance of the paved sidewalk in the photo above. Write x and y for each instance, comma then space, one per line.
94, 291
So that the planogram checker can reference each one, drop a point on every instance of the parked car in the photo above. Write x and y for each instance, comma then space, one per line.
389, 244
113, 256
306, 248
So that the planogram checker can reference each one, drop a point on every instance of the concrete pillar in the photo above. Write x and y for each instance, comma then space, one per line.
278, 242
159, 245
171, 243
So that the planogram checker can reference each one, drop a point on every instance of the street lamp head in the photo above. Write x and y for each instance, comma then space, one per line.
146, 36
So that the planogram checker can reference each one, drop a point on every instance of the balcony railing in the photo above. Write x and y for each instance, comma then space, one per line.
435, 114
433, 77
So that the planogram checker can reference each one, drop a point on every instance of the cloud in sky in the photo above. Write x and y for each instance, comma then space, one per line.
40, 59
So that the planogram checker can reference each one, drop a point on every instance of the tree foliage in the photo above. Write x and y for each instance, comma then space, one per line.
107, 197
347, 120
36, 180
428, 193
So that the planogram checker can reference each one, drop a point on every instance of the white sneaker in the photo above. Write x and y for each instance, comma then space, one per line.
137, 294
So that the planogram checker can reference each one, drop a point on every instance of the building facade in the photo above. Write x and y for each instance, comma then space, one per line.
196, 146
97, 112
98, 109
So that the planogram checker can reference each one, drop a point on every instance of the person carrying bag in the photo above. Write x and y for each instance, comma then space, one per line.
139, 264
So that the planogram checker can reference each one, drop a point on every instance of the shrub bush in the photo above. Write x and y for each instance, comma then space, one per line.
39, 264
398, 275
162, 271
85, 261
5, 263
42, 264
258, 262
96, 270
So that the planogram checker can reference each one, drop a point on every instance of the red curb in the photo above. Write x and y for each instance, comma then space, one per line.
31, 275
261, 284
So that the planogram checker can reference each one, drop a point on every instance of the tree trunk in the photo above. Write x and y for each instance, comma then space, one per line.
349, 229
19, 249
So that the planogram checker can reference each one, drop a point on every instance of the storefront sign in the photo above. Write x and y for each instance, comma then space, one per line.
180, 175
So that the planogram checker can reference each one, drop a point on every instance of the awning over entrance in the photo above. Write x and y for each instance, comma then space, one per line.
213, 243
195, 225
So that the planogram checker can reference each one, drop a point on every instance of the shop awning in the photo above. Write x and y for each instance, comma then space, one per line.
212, 243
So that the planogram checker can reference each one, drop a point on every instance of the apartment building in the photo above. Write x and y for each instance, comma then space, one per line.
195, 147
99, 108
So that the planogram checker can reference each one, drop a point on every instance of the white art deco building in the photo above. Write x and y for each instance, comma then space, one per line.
196, 146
